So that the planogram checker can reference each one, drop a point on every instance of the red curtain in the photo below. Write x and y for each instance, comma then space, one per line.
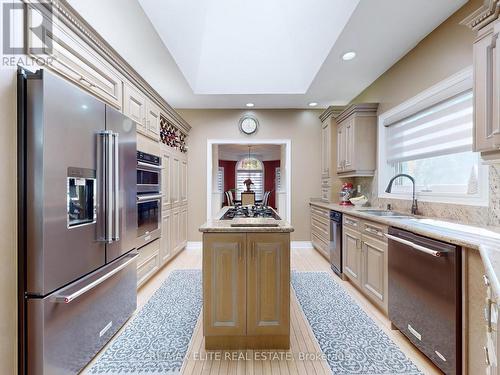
229, 175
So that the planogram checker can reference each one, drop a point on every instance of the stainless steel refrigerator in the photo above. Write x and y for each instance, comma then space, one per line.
78, 220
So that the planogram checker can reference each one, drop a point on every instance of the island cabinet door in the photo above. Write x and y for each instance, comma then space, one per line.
224, 280
268, 284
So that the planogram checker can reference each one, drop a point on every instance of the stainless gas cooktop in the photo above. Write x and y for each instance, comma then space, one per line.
243, 212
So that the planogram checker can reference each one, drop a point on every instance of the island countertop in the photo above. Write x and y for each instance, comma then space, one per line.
244, 225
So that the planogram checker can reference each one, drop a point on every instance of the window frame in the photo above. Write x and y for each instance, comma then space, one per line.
443, 90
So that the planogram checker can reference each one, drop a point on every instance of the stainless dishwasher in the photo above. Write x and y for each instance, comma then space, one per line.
425, 296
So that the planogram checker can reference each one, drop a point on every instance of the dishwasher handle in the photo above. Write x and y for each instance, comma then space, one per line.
423, 249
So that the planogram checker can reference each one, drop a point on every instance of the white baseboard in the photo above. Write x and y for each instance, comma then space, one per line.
193, 245
301, 245
196, 245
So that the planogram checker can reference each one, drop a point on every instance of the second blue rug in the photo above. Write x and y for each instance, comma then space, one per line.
350, 339
157, 339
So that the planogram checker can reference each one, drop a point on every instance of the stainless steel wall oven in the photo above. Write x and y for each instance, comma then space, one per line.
148, 198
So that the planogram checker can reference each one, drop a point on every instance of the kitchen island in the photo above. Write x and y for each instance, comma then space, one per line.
246, 283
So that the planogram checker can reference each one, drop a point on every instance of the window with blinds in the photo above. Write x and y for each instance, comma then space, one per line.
257, 178
278, 179
433, 143
445, 128
220, 179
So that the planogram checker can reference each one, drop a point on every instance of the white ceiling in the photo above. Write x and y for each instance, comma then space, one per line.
214, 54
249, 47
261, 151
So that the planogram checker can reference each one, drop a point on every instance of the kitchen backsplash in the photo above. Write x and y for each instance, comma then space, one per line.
463, 213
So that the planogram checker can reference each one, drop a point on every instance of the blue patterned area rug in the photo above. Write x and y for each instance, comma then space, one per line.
157, 338
351, 341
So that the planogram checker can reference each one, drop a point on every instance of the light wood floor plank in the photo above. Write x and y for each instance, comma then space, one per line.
301, 336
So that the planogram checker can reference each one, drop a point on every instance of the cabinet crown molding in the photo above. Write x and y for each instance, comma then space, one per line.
331, 111
65, 13
487, 13
367, 109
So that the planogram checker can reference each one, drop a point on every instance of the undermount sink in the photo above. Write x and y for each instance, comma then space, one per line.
386, 213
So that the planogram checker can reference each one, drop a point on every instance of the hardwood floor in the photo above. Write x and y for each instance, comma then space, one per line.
198, 361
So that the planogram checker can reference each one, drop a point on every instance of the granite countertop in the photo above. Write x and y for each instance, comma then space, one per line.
486, 239
254, 225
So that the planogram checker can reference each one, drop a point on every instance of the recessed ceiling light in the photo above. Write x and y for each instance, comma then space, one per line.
313, 104
250, 105
348, 55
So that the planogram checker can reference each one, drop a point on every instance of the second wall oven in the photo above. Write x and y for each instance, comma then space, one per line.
149, 198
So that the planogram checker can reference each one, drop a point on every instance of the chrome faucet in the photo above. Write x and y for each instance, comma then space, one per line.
414, 205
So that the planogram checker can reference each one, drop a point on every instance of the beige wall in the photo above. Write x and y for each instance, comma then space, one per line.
8, 238
302, 127
445, 51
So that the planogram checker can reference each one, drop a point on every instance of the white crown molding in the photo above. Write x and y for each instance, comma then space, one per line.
481, 17
331, 111
362, 109
75, 22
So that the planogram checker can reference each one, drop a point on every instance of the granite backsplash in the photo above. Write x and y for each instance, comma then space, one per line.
464, 213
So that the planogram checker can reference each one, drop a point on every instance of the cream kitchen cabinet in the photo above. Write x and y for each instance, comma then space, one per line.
356, 140
268, 284
73, 58
486, 92
183, 171
320, 230
143, 111
326, 146
491, 339
246, 290
330, 183
153, 120
364, 249
148, 261
174, 196
224, 284
351, 249
166, 237
134, 106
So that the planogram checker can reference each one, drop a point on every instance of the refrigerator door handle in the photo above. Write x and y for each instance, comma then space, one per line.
63, 297
105, 185
116, 192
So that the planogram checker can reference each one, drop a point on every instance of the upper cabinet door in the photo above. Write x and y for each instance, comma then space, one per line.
153, 120
486, 87
175, 180
166, 178
75, 60
348, 146
183, 181
325, 148
268, 289
134, 106
340, 148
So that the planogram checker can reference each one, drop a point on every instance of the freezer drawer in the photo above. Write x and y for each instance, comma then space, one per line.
66, 329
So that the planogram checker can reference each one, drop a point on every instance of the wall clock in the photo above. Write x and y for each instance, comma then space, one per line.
248, 124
